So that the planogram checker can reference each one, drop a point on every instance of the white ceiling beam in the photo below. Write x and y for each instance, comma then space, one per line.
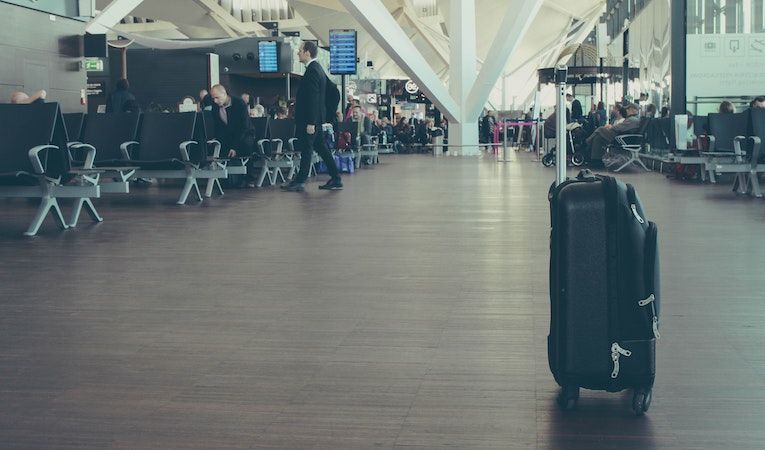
560, 9
224, 26
159, 25
412, 18
445, 39
111, 15
544, 53
462, 52
518, 18
222, 16
380, 24
335, 6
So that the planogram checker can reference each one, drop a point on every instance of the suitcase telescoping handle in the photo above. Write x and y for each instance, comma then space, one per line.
561, 72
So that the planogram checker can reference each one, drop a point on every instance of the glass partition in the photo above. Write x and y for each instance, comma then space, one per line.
725, 53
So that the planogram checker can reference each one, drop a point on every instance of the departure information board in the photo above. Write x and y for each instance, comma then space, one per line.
342, 52
268, 56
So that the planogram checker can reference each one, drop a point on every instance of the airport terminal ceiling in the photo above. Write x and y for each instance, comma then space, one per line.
558, 25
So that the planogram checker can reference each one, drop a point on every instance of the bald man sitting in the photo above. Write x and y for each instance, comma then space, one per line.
21, 98
233, 128
232, 123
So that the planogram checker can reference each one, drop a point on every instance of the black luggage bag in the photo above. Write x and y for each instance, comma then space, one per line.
604, 290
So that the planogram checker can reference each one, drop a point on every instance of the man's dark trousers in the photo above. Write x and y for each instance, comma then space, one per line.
307, 144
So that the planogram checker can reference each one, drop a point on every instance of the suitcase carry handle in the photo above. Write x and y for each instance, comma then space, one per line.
586, 175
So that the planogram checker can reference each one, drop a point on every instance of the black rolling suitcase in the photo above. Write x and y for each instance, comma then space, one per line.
604, 290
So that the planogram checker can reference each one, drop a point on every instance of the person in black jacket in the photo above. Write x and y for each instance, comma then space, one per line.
310, 109
232, 123
120, 96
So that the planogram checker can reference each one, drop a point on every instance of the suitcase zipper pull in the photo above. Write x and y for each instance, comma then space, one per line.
655, 323
616, 352
647, 301
656, 327
635, 213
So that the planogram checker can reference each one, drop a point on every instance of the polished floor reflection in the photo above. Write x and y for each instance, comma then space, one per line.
408, 311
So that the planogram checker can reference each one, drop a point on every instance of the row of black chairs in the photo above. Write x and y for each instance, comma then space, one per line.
50, 155
726, 143
35, 163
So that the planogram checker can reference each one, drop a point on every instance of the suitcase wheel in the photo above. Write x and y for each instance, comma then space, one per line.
641, 401
568, 397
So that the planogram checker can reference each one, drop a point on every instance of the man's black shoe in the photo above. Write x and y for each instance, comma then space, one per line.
332, 185
293, 187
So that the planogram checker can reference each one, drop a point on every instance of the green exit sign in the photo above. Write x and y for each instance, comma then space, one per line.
93, 65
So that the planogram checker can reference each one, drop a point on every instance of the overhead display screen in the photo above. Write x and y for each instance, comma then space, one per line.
342, 52
268, 56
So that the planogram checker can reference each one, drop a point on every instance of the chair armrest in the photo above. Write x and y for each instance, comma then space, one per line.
718, 153
756, 145
184, 147
89, 158
291, 143
737, 150
125, 148
279, 145
216, 147
260, 145
34, 157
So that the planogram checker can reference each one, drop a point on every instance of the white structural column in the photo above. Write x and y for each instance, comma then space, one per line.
111, 15
378, 22
518, 18
463, 132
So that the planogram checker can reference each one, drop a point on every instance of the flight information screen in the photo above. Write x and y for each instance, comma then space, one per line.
268, 56
342, 52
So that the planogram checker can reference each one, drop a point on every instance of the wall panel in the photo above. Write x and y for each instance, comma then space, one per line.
39, 53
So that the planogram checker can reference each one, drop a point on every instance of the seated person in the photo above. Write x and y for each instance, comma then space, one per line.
386, 127
21, 98
281, 113
257, 111
605, 135
376, 127
650, 111
726, 107
359, 125
617, 114
233, 127
551, 123
403, 135
423, 132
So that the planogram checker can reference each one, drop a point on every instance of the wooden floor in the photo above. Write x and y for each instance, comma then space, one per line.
408, 311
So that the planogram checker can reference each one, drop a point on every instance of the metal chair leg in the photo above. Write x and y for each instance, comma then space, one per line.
46, 204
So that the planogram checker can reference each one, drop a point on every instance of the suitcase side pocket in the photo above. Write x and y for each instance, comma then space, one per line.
634, 364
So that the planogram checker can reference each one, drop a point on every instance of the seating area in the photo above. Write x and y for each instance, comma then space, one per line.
34, 163
722, 144
49, 155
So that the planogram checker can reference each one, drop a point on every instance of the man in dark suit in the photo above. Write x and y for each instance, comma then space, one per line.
310, 108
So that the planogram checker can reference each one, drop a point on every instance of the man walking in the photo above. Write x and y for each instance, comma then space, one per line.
309, 116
